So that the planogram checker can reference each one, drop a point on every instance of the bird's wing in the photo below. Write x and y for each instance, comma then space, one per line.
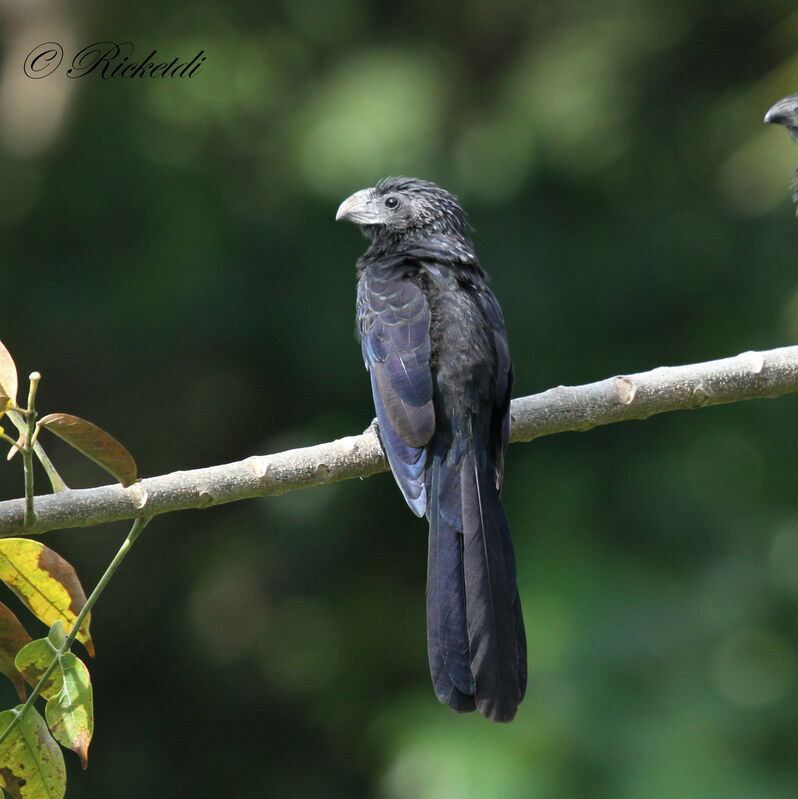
504, 376
394, 319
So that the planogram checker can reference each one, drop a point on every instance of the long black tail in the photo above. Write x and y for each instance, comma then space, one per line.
475, 630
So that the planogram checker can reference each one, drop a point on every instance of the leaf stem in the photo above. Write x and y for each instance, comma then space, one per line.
135, 530
7, 438
55, 479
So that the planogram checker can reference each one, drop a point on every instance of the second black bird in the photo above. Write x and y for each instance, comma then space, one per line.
435, 345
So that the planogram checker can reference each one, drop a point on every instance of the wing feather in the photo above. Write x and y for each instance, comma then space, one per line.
394, 320
504, 377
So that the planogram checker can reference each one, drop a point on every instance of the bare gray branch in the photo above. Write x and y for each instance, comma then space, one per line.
751, 375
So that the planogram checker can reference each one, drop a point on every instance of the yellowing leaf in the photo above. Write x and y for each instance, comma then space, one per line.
8, 378
33, 660
45, 582
94, 443
13, 637
70, 714
70, 709
31, 763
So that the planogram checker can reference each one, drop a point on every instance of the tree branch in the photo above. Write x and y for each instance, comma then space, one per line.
751, 375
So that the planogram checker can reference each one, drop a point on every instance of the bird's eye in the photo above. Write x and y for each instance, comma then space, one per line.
391, 202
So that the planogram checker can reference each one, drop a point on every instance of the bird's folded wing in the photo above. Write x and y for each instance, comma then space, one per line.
504, 376
394, 325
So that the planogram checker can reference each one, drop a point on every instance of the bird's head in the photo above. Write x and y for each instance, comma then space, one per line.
399, 208
785, 112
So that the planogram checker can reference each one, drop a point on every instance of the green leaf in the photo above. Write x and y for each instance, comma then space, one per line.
13, 637
94, 443
8, 379
70, 707
45, 582
57, 634
33, 660
70, 713
31, 763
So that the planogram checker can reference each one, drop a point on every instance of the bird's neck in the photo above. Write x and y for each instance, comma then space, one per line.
430, 242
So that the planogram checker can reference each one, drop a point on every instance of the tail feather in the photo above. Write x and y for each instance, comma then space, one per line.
518, 617
447, 636
476, 643
491, 597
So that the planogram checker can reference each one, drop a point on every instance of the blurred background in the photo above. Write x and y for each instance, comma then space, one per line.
172, 267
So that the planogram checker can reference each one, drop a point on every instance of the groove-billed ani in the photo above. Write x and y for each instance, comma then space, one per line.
785, 112
435, 345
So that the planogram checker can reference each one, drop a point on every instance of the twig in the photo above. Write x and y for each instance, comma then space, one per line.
27, 448
751, 375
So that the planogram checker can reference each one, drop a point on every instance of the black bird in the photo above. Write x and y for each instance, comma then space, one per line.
435, 345
785, 112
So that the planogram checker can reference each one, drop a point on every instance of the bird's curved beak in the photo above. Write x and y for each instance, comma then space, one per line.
784, 112
359, 208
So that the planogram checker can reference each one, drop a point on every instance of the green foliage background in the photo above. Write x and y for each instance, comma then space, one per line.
171, 265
